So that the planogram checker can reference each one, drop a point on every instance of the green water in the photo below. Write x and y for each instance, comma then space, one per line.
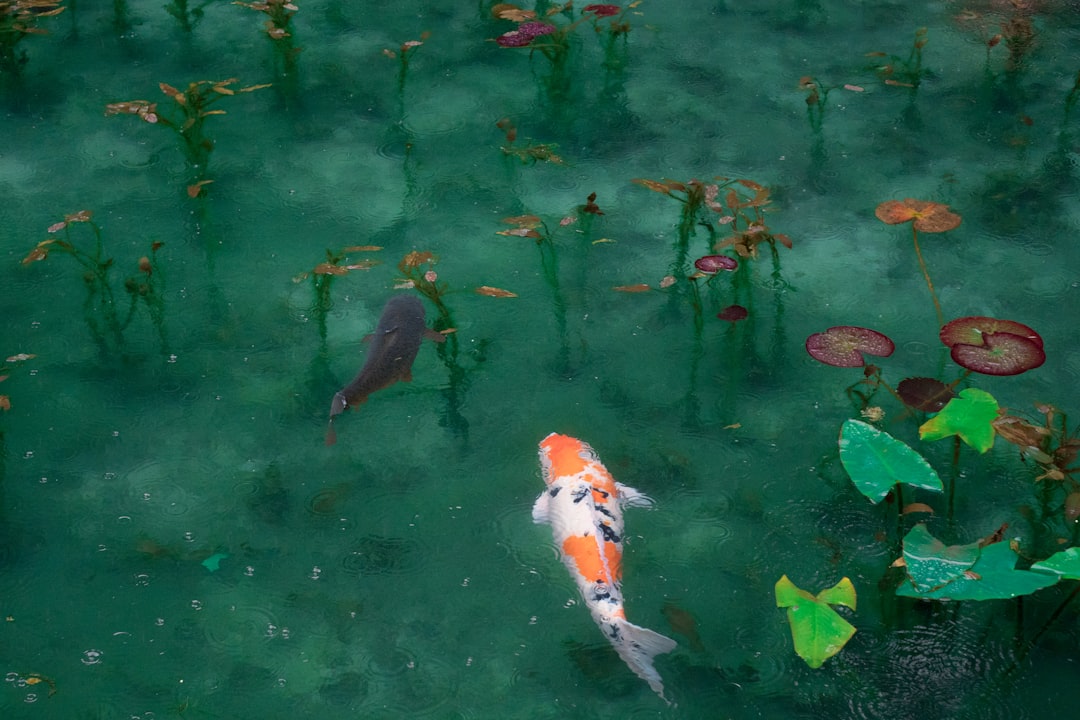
398, 574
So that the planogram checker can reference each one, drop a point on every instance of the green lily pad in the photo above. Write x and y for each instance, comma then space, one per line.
875, 461
971, 416
213, 563
1064, 564
940, 572
931, 564
817, 630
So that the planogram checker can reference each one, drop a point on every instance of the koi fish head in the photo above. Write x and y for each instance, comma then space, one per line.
562, 455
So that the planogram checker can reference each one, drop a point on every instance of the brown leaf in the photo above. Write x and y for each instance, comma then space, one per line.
5, 402
361, 248
640, 287
195, 190
495, 292
329, 269
917, 507
520, 232
530, 221
929, 216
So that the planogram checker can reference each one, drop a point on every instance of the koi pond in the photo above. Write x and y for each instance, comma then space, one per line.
802, 272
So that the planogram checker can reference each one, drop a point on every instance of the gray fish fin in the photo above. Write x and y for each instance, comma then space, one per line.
434, 335
541, 511
629, 497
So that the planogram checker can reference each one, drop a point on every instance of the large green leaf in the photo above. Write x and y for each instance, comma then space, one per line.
876, 461
971, 416
964, 572
817, 630
1065, 564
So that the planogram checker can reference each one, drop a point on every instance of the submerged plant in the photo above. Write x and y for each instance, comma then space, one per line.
924, 215
187, 12
280, 31
186, 117
530, 153
323, 275
904, 72
404, 54
19, 18
105, 321
6, 369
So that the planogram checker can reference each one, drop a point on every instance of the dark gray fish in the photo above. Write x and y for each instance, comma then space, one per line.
394, 345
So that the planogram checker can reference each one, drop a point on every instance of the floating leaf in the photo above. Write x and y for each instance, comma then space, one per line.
993, 574
926, 394
712, 264
1064, 564
875, 461
330, 269
495, 292
844, 345
733, 313
929, 216
971, 416
640, 287
20, 357
817, 630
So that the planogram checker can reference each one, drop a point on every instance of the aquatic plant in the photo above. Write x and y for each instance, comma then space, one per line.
817, 95
187, 12
104, 320
817, 630
924, 215
904, 72
403, 55
993, 347
282, 37
323, 276
18, 19
186, 117
530, 153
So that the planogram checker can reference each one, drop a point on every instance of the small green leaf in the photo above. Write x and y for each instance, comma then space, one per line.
939, 572
1065, 564
971, 416
876, 461
816, 629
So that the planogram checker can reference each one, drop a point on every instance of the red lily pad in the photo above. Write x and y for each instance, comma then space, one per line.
971, 330
1001, 353
926, 394
733, 313
930, 217
712, 264
844, 345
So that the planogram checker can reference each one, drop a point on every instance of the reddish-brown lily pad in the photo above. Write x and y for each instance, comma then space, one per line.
712, 264
926, 394
929, 216
844, 345
733, 313
971, 330
1001, 353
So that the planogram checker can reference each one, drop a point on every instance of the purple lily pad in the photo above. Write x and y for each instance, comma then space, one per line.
844, 345
712, 264
733, 313
926, 394
535, 29
970, 330
514, 38
1001, 353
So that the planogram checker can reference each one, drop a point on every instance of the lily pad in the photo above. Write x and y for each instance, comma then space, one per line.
970, 330
930, 217
733, 313
937, 572
926, 394
1001, 353
844, 345
817, 630
1064, 564
875, 461
971, 416
712, 264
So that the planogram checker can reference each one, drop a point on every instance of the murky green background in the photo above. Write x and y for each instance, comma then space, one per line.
399, 574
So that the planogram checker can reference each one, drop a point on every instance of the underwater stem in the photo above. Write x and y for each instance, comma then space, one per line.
926, 274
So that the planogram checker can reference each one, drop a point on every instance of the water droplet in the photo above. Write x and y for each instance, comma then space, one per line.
142, 579
29, 454
249, 571
196, 604
281, 682
160, 622
91, 657
31, 697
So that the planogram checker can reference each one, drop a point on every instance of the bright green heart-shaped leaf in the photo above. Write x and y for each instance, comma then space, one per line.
876, 461
1065, 564
817, 630
971, 416
993, 575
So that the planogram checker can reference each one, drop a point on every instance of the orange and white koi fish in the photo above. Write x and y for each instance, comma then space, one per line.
583, 504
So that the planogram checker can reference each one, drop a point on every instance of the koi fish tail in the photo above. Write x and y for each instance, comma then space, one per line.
637, 646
